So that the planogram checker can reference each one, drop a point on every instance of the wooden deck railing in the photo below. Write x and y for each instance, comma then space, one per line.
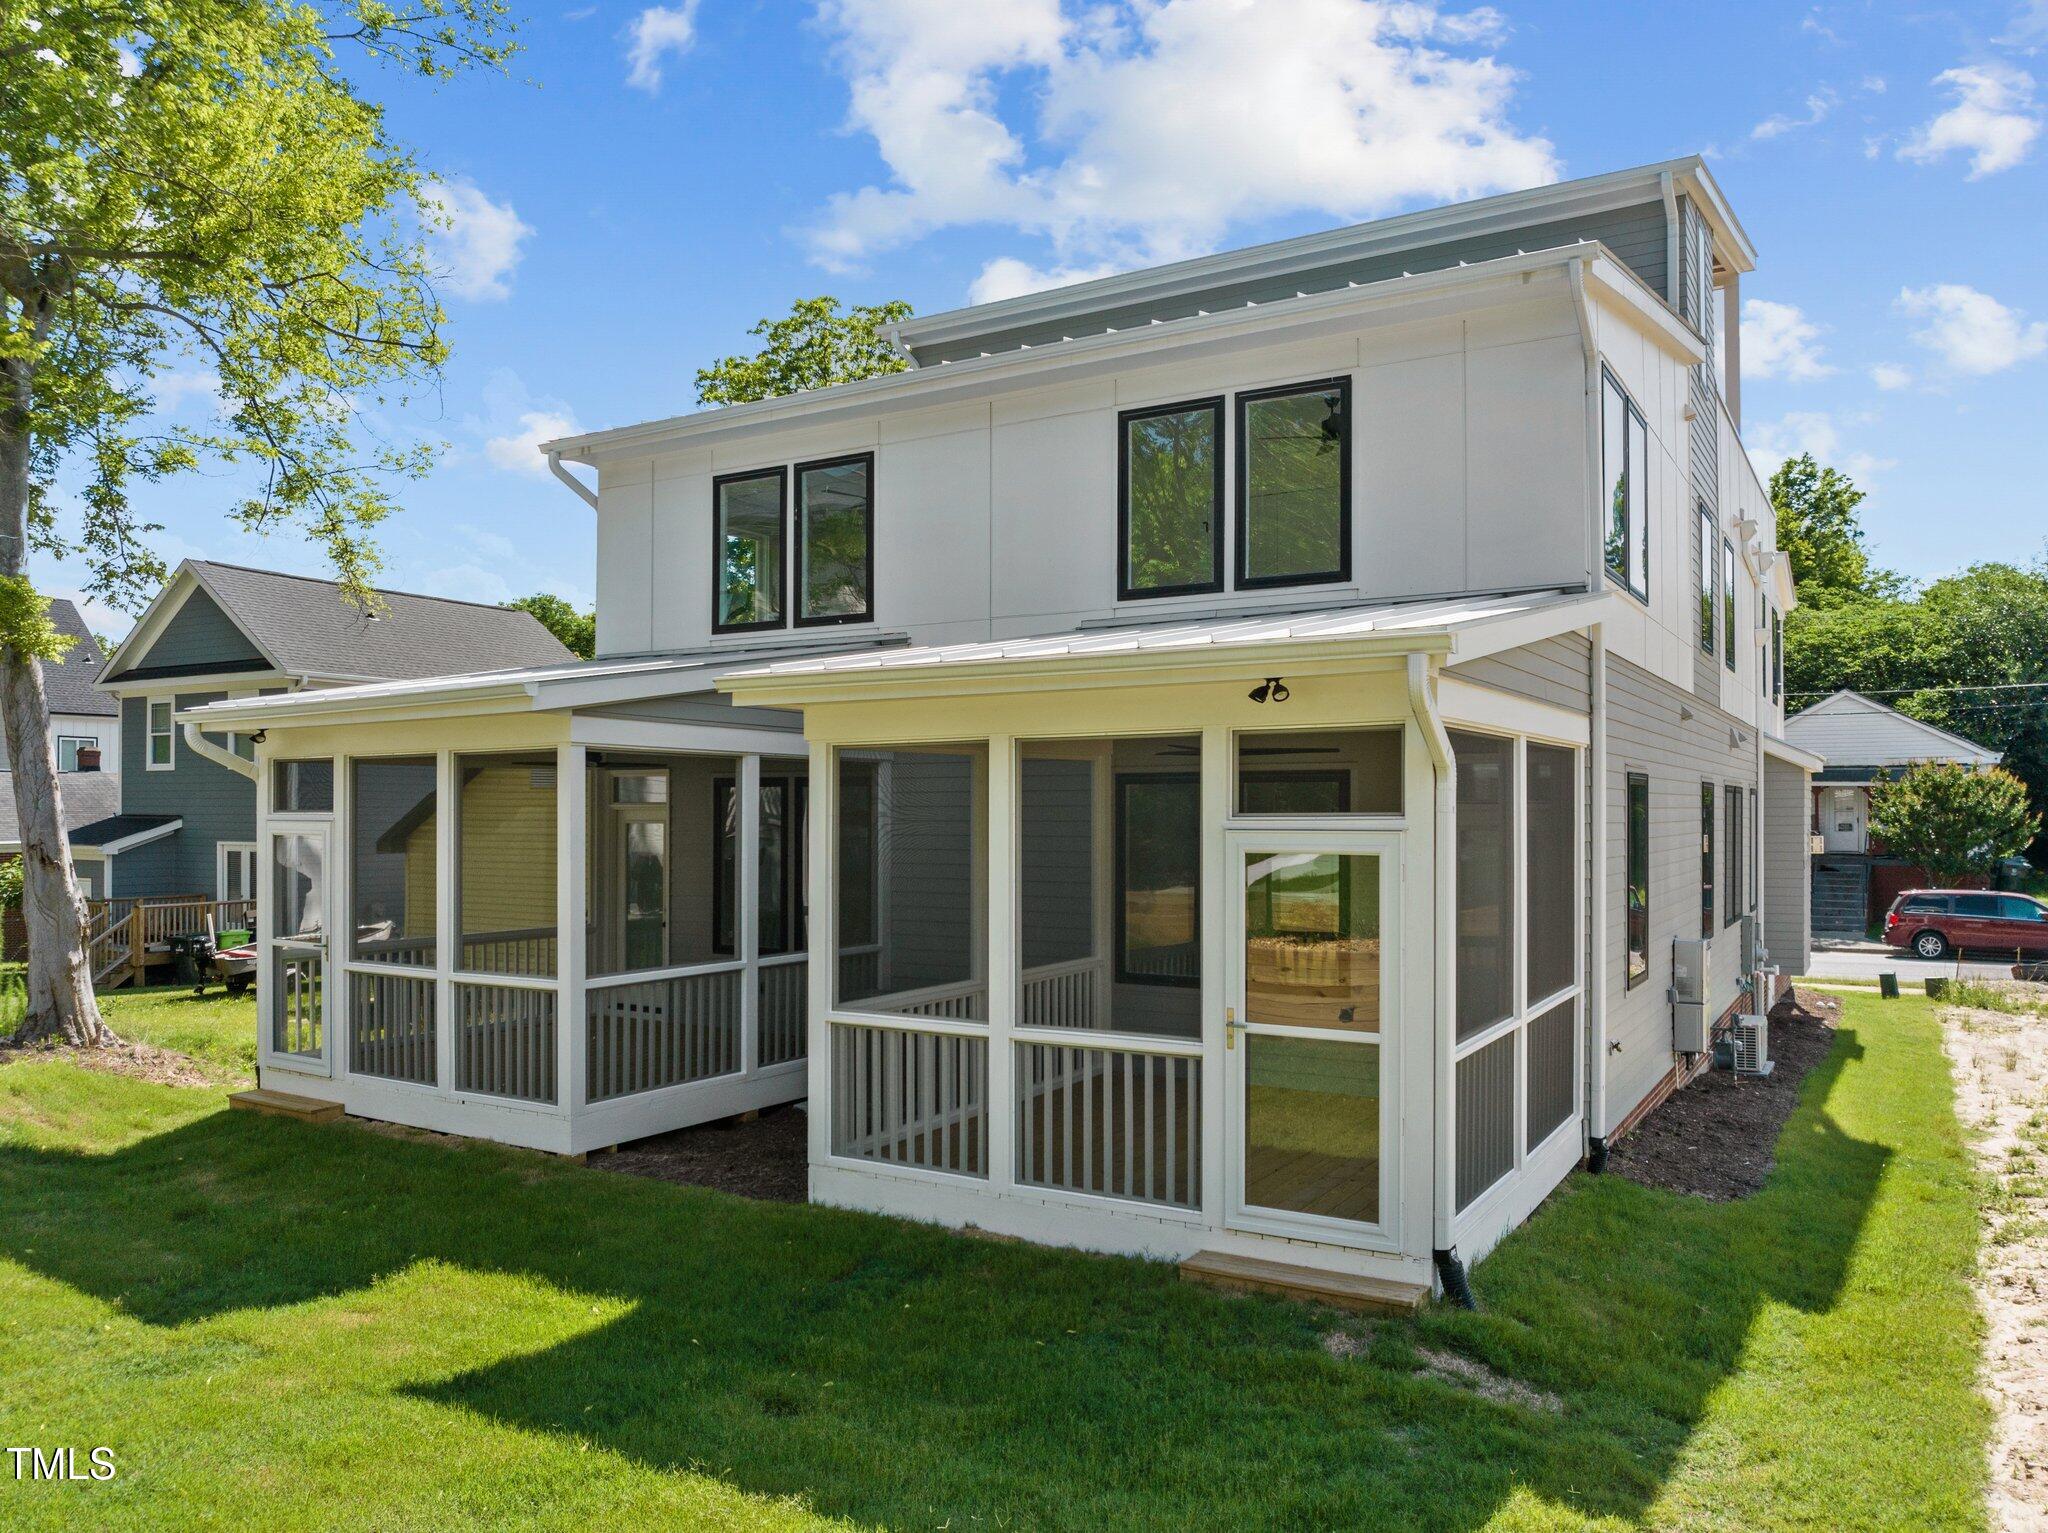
125, 936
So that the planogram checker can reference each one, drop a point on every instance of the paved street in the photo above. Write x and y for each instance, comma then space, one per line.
1866, 960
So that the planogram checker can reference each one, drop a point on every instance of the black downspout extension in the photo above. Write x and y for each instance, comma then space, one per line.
1596, 1157
1451, 1273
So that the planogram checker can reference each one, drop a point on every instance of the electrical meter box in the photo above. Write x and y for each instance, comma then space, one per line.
1689, 995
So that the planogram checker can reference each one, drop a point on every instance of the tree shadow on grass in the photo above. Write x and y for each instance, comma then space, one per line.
904, 1376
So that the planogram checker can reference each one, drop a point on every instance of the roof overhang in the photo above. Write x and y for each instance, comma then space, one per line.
130, 840
1785, 751
156, 617
1401, 300
1361, 637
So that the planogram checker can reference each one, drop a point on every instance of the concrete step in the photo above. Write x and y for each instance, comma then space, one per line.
285, 1104
1345, 1290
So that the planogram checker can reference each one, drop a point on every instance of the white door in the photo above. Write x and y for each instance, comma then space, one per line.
295, 914
642, 860
1844, 819
1311, 990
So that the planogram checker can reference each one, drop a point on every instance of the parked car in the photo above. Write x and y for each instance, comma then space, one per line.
1933, 923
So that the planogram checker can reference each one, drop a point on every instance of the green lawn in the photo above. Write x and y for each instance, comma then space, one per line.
295, 1327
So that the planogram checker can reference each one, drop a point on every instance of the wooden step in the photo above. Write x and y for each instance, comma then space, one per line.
284, 1104
1345, 1290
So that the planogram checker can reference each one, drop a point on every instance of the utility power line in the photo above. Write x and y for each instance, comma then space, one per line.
2003, 686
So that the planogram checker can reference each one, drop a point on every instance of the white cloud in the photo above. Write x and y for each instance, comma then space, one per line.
2029, 28
476, 241
519, 449
1008, 277
1153, 127
513, 424
657, 32
1810, 431
1891, 375
1818, 105
168, 392
1972, 332
1994, 120
1778, 341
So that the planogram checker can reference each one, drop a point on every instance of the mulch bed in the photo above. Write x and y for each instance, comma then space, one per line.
1718, 1138
766, 1159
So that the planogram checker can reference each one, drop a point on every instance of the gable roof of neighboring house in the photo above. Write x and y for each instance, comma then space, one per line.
1850, 730
295, 625
68, 683
88, 796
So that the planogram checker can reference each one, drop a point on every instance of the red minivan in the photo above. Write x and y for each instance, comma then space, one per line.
1936, 922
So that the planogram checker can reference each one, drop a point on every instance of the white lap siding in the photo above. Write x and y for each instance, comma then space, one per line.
1648, 733
1788, 888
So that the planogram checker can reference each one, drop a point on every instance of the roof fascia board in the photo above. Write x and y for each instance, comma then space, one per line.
1248, 327
340, 708
1387, 236
205, 681
1490, 636
1735, 246
1608, 278
140, 838
1785, 750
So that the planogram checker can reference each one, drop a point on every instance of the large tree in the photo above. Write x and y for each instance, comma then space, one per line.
1821, 535
576, 630
197, 186
1951, 820
813, 346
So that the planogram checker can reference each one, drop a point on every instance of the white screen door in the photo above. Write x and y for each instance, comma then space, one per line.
1310, 996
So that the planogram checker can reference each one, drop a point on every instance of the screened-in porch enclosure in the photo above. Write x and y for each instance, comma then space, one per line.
414, 955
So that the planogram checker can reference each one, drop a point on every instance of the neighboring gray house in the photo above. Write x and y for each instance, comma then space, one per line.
185, 819
85, 726
1864, 742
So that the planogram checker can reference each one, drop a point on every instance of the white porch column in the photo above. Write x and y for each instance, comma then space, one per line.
572, 1037
1216, 939
746, 923
1001, 951
823, 929
1102, 864
447, 940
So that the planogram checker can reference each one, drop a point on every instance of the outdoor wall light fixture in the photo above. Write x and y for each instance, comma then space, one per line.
1272, 687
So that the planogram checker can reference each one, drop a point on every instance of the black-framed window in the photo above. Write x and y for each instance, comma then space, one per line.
1756, 847
1706, 859
1169, 473
748, 579
1707, 602
1159, 878
1294, 485
1636, 892
1777, 657
835, 540
1728, 601
1625, 478
1736, 847
783, 841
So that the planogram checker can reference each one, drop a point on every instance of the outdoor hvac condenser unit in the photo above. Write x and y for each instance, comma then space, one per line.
1751, 1038
1689, 995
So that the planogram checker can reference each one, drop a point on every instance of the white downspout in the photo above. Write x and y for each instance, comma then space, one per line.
1444, 869
1596, 973
583, 491
199, 745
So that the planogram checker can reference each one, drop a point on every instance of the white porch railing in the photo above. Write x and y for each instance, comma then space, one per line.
1069, 994
298, 981
783, 1009
1116, 1122
910, 1098
505, 1041
391, 1026
646, 1033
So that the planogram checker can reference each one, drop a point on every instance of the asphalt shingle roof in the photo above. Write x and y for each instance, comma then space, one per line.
69, 682
88, 796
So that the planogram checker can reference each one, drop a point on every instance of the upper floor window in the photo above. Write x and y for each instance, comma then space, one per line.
1728, 601
162, 743
68, 747
1625, 460
748, 511
1293, 485
1170, 499
1777, 658
835, 551
1706, 579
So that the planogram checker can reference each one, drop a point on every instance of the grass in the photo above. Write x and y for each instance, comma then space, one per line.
290, 1326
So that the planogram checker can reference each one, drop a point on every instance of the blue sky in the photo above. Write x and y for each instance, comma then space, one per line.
647, 182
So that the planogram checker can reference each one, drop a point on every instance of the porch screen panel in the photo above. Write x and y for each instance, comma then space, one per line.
1319, 771
302, 787
1485, 1118
1551, 1073
1553, 863
910, 863
505, 894
1172, 481
394, 830
1485, 950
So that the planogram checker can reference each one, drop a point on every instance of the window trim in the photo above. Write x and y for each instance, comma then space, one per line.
1125, 591
1728, 600
77, 743
1630, 410
1632, 977
1240, 508
149, 734
1710, 596
780, 473
1120, 783
1710, 869
796, 544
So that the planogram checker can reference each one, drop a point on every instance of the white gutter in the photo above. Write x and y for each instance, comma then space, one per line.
1596, 973
583, 491
1444, 868
199, 745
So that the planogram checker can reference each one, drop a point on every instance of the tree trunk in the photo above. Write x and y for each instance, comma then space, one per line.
60, 998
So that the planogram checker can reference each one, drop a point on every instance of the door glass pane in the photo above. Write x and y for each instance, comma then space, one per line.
646, 874
1312, 940
299, 882
1293, 448
1312, 1126
1170, 510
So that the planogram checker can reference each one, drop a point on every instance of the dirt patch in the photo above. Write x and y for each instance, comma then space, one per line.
1718, 1137
2000, 1062
1464, 1373
143, 1061
1345, 1345
766, 1159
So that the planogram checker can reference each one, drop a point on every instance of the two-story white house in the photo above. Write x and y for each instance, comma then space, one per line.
1260, 740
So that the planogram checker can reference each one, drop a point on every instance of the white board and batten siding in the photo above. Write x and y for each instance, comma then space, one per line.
1788, 885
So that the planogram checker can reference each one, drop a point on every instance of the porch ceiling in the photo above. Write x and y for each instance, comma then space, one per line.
1460, 628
